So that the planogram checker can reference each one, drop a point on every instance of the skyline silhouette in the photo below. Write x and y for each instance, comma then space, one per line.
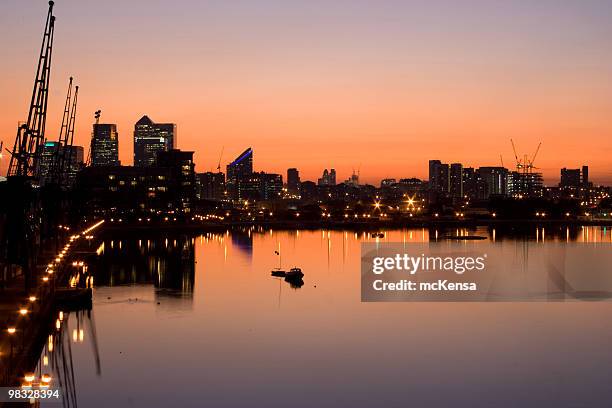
383, 86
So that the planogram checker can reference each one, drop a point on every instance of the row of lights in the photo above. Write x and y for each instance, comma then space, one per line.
24, 311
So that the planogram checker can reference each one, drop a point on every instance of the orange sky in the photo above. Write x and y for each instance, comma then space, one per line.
315, 87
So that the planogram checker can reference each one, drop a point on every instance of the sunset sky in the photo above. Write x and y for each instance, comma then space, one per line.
380, 85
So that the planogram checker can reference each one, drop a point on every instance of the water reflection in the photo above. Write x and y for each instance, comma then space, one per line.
167, 263
244, 329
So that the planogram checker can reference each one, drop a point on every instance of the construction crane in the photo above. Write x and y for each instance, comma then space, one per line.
31, 135
220, 157
525, 165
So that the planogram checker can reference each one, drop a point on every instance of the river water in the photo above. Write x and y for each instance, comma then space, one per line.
197, 321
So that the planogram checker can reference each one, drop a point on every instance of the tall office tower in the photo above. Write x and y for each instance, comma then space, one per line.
332, 177
151, 138
293, 181
328, 178
105, 145
494, 180
237, 172
456, 180
47, 160
470, 183
439, 177
51, 150
585, 176
76, 164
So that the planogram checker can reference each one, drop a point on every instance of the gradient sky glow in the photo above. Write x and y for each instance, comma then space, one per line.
383, 85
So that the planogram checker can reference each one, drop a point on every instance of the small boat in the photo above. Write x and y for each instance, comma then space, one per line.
292, 273
378, 235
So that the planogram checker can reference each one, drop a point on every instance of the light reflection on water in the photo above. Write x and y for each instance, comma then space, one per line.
199, 321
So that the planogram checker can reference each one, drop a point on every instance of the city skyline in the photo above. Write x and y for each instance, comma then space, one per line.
464, 76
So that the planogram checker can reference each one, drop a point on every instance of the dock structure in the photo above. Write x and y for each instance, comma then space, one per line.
27, 311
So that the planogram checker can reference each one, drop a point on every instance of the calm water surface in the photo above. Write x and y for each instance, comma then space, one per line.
198, 321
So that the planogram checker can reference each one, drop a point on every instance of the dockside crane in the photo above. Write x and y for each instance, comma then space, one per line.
65, 159
62, 155
31, 135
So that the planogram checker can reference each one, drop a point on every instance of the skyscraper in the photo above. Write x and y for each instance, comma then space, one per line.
105, 145
293, 181
439, 179
456, 180
328, 178
151, 138
238, 171
494, 180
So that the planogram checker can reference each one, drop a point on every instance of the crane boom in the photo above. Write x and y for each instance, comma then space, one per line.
31, 135
220, 157
535, 154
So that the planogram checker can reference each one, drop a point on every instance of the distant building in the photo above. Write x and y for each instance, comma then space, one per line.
51, 153
125, 190
574, 177
271, 186
494, 180
47, 161
456, 180
105, 145
75, 161
470, 183
351, 181
293, 181
388, 182
308, 190
211, 186
521, 184
439, 177
151, 138
261, 186
136, 192
182, 177
238, 172
585, 176
328, 178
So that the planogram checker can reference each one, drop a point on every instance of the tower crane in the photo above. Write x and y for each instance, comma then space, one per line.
220, 157
525, 165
